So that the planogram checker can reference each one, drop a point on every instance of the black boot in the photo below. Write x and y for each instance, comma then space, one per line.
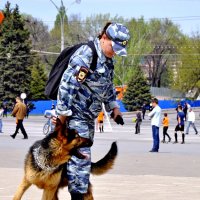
13, 135
176, 138
183, 138
77, 196
100, 130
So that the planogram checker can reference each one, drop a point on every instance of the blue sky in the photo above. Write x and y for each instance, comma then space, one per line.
186, 13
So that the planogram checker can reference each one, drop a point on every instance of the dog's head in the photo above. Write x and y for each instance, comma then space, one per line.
69, 140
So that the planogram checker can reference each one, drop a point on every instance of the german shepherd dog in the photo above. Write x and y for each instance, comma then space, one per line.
44, 163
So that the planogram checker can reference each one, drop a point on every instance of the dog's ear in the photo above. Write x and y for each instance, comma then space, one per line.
61, 130
58, 124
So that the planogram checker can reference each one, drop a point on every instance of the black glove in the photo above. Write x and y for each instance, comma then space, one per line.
118, 119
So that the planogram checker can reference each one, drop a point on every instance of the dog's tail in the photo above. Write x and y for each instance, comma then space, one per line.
106, 163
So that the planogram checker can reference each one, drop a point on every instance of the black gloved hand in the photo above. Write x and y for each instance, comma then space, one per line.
112, 115
118, 119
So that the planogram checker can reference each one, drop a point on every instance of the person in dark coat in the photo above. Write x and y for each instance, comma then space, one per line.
138, 122
143, 110
19, 112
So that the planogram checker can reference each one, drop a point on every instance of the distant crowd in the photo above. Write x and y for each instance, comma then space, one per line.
185, 114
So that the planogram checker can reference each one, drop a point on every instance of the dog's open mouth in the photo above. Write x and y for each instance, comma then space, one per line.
85, 142
78, 154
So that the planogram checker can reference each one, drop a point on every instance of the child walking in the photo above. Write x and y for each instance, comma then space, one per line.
165, 123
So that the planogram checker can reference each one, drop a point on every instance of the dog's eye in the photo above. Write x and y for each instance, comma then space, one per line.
70, 137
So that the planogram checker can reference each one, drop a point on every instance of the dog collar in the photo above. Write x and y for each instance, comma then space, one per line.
41, 160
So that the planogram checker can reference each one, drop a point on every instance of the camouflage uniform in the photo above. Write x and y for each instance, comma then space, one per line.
80, 96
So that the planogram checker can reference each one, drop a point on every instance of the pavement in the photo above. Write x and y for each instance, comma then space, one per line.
173, 173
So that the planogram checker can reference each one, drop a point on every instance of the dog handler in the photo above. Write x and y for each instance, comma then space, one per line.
82, 92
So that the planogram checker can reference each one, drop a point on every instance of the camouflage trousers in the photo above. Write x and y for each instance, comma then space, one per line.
78, 170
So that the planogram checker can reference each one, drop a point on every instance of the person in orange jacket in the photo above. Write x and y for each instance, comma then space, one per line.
165, 123
100, 120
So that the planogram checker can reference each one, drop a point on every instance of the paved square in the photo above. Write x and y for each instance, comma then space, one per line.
173, 173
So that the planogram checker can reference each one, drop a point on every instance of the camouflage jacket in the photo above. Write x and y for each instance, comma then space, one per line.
83, 91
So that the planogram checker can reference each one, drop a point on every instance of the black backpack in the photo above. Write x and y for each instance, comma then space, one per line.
61, 64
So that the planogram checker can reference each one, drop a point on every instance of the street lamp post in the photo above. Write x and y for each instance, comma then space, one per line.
61, 15
62, 18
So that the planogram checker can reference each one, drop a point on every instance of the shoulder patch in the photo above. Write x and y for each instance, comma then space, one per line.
82, 73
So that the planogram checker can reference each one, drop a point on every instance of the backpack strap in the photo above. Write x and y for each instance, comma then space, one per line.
95, 56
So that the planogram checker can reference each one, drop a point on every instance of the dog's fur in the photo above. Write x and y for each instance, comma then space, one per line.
46, 158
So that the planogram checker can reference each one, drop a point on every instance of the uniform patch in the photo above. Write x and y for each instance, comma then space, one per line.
82, 73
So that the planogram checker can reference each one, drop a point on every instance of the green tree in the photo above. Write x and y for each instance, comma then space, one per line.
138, 45
188, 66
167, 78
40, 37
38, 80
39, 34
15, 55
138, 91
163, 36
94, 24
55, 33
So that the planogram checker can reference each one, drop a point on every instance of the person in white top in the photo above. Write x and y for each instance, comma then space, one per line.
155, 115
1, 116
191, 120
188, 106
